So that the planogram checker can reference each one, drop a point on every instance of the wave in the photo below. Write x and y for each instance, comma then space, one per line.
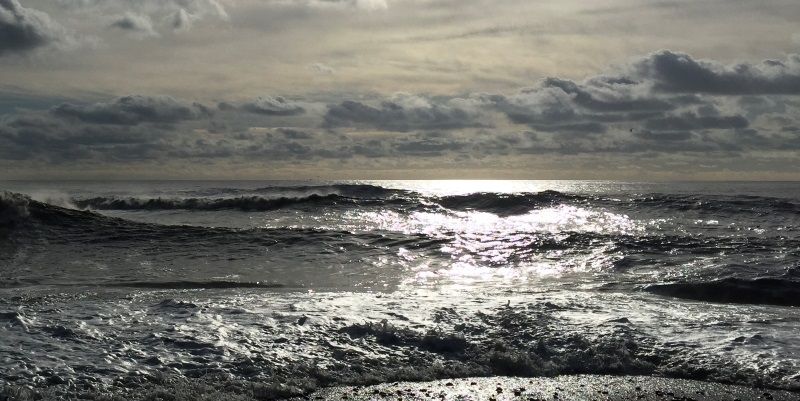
39, 224
195, 285
13, 209
521, 203
62, 225
365, 191
350, 196
501, 204
769, 291
244, 203
32, 220
759, 205
507, 204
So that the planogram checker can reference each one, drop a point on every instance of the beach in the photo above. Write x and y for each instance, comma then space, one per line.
575, 388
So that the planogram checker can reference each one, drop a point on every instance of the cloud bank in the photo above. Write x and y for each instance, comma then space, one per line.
665, 103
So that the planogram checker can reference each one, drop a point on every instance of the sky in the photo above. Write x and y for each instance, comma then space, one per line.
400, 89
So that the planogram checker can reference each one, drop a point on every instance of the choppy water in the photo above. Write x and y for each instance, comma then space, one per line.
114, 287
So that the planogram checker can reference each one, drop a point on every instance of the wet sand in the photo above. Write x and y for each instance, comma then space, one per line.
577, 388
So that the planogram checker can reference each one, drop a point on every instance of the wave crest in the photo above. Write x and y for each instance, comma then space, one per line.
507, 204
244, 203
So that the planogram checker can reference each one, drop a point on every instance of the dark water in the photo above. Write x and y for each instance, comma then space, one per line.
110, 287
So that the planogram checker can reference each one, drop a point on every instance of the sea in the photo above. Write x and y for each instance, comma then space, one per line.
274, 289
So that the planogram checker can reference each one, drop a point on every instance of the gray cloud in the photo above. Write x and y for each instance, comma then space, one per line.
42, 138
181, 20
667, 136
25, 29
273, 106
133, 110
615, 113
675, 105
691, 121
405, 113
678, 72
290, 133
362, 4
266, 105
428, 144
136, 24
147, 18
321, 69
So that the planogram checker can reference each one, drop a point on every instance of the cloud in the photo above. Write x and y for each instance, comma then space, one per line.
321, 69
137, 24
401, 113
669, 71
290, 133
427, 144
691, 121
149, 18
659, 101
370, 5
614, 113
133, 110
266, 105
181, 20
25, 29
44, 138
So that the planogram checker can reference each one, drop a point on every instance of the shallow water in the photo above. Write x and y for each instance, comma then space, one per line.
106, 287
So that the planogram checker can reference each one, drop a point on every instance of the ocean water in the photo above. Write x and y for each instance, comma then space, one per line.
278, 288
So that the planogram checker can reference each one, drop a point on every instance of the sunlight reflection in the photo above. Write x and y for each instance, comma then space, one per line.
463, 187
556, 219
484, 247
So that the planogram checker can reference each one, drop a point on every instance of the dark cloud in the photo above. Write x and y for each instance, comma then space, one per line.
607, 96
266, 105
665, 102
678, 72
133, 110
691, 121
428, 144
43, 138
394, 116
25, 29
571, 108
668, 136
290, 133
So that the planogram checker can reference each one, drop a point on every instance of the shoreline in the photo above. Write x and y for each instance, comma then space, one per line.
568, 387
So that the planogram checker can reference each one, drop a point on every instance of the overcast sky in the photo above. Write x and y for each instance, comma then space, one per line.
606, 89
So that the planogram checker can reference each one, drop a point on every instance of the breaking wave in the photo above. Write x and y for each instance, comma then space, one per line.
507, 204
347, 190
243, 203
29, 218
352, 196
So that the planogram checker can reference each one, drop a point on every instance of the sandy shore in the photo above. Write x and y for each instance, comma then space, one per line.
577, 388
